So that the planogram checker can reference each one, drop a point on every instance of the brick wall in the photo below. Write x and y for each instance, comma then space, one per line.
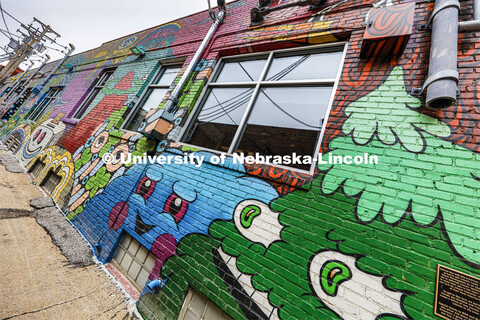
346, 242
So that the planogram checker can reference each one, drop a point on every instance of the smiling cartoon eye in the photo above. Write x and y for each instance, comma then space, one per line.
176, 206
42, 136
146, 187
36, 134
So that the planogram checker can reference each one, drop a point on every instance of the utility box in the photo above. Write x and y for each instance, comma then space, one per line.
388, 30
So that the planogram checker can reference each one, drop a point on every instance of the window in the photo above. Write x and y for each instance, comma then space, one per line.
51, 181
197, 307
152, 96
98, 85
135, 260
36, 168
270, 104
38, 110
13, 142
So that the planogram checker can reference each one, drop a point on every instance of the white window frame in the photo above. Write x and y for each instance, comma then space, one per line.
50, 96
208, 304
124, 251
257, 85
151, 86
99, 84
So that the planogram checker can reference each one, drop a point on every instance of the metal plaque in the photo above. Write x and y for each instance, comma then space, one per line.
457, 295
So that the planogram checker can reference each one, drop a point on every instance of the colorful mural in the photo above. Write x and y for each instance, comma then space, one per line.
45, 135
354, 241
59, 162
181, 207
91, 174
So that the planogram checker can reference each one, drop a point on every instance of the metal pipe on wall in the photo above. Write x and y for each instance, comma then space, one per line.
67, 55
171, 107
474, 25
442, 74
476, 9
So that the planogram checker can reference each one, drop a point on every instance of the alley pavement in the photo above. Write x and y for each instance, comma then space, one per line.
41, 277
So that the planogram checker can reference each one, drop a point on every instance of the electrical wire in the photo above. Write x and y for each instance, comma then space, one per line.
3, 17
8, 14
58, 50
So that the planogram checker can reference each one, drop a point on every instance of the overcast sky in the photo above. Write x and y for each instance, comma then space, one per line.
89, 23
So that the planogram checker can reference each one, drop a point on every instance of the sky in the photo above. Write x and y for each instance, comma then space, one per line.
89, 23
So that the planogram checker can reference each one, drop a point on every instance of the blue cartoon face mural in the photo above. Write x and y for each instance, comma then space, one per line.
158, 205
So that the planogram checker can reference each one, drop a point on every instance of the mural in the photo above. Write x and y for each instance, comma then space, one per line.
45, 135
91, 174
16, 137
58, 161
181, 207
347, 242
409, 149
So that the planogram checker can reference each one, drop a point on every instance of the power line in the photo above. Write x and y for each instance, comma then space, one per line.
8, 14
3, 17
48, 47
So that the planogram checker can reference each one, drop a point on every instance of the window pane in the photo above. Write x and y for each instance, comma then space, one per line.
217, 123
286, 121
153, 99
305, 67
241, 71
87, 103
44, 104
167, 77
105, 77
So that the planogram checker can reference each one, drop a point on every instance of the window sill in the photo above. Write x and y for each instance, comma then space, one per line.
283, 179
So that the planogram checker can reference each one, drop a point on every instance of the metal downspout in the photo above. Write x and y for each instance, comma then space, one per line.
474, 25
442, 93
442, 81
171, 106
72, 48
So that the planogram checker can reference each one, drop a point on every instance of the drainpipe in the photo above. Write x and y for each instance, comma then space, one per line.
442, 78
474, 25
166, 119
70, 50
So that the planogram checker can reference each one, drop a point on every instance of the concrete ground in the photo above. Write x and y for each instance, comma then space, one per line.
36, 280
16, 190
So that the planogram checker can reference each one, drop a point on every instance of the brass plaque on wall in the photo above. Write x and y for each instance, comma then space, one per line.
457, 295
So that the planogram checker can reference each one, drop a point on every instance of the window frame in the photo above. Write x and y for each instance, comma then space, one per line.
261, 83
151, 86
95, 89
44, 103
123, 250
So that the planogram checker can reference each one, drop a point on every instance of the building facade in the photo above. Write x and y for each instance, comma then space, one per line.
206, 236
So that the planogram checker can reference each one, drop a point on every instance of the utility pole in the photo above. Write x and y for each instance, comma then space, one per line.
32, 41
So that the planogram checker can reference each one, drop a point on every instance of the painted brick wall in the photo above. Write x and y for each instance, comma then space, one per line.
348, 242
